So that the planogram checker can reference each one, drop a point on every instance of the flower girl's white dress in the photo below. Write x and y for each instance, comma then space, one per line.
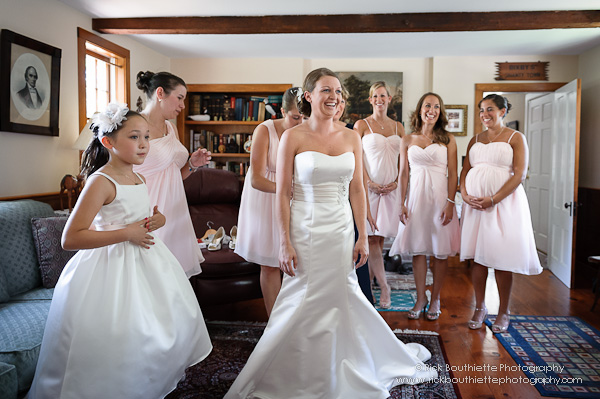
124, 321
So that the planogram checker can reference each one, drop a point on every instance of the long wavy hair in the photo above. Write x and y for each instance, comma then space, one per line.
440, 134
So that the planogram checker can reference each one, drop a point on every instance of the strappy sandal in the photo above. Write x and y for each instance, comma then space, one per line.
476, 324
415, 314
501, 328
433, 316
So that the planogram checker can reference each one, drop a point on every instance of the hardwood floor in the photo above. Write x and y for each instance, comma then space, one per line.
542, 295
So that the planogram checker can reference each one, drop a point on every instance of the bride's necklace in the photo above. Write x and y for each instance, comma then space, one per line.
496, 136
124, 175
380, 125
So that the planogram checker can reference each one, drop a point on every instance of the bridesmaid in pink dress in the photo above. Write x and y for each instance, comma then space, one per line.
496, 222
381, 138
432, 227
168, 163
257, 235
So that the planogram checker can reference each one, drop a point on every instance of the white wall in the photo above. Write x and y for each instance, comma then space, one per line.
454, 79
32, 164
589, 146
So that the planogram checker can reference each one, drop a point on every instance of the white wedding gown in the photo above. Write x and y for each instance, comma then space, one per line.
324, 339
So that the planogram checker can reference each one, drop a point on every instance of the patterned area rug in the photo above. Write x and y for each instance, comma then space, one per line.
402, 300
405, 281
560, 355
233, 342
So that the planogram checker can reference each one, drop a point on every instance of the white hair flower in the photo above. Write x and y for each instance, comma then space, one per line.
110, 119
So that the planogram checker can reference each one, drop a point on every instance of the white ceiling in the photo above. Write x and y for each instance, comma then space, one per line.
355, 45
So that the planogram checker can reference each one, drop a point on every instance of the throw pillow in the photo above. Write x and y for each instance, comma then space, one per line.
51, 256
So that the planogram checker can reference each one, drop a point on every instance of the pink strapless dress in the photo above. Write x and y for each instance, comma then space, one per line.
424, 233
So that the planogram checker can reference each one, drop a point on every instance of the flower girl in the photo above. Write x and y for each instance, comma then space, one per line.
124, 321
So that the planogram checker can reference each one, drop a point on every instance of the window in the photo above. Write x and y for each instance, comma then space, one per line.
103, 69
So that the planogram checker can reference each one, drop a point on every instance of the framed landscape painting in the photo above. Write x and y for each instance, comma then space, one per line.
358, 85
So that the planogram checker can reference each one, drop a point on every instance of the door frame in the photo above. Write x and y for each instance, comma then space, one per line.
481, 88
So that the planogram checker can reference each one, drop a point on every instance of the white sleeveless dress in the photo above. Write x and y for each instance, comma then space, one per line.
380, 156
500, 236
257, 236
124, 321
324, 339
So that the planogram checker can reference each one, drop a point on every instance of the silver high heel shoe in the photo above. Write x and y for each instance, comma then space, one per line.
215, 243
476, 324
233, 235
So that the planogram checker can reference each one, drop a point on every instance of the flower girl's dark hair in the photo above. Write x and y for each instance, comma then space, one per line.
96, 155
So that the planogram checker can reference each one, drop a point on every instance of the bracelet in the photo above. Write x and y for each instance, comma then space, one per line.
449, 200
192, 167
492, 198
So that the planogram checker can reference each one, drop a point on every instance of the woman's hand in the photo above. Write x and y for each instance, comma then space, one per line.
288, 261
403, 214
388, 188
200, 158
137, 234
371, 221
374, 187
483, 202
157, 220
473, 202
360, 248
447, 213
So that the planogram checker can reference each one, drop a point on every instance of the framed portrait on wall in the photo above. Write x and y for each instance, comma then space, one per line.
29, 85
358, 85
457, 119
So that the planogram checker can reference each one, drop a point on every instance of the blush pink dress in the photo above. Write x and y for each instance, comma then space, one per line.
424, 233
500, 236
257, 236
162, 170
380, 156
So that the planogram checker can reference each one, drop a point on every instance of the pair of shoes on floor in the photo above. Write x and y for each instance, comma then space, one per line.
476, 324
220, 238
497, 327
415, 314
433, 316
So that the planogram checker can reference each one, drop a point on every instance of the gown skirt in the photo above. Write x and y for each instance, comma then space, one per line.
324, 339
500, 236
124, 321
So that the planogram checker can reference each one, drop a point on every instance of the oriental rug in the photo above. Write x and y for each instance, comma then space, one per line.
560, 355
399, 281
402, 300
234, 341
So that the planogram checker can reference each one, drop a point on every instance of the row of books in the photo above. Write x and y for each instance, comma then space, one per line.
232, 143
224, 107
239, 168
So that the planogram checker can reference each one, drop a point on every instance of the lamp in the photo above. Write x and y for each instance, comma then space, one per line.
85, 137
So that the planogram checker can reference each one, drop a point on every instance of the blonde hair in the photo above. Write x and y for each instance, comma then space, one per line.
377, 85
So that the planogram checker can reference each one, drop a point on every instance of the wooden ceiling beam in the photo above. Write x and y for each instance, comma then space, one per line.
352, 23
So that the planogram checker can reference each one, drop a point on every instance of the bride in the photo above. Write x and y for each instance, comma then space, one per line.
324, 339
